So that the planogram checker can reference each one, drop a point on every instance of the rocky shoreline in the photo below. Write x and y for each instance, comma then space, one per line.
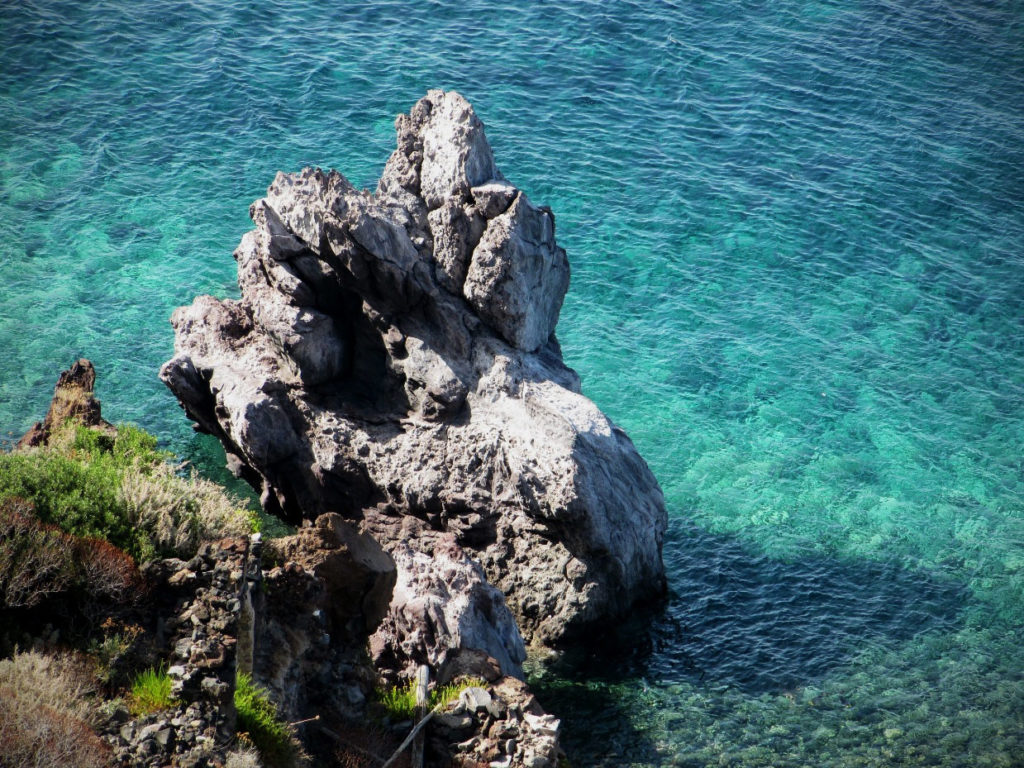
297, 615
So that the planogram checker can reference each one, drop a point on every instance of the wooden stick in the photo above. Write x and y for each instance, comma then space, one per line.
408, 739
422, 684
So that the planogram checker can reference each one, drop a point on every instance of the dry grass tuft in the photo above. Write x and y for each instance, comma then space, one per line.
40, 561
46, 704
42, 737
61, 682
243, 758
107, 571
36, 561
177, 513
366, 746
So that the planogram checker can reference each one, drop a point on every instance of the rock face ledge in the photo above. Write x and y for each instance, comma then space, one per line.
392, 358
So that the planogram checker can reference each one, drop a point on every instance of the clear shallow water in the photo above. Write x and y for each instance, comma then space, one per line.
796, 233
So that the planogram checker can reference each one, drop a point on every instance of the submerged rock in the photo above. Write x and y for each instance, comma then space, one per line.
393, 356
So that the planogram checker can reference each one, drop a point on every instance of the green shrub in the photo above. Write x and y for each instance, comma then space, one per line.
258, 717
150, 692
82, 442
136, 447
129, 447
79, 497
120, 488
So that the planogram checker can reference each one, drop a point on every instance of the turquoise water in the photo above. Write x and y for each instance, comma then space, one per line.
797, 239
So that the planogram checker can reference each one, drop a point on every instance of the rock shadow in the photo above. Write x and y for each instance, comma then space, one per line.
763, 625
737, 618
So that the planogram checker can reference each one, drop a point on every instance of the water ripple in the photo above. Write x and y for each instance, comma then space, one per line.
795, 230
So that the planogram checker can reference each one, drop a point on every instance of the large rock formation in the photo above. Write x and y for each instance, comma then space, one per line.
392, 356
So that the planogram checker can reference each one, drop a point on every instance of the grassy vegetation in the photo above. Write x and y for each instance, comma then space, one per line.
444, 695
258, 717
121, 488
150, 692
399, 703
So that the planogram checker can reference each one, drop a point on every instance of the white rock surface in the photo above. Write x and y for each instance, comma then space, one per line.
441, 604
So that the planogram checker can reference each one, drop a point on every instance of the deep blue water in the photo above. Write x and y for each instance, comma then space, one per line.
797, 238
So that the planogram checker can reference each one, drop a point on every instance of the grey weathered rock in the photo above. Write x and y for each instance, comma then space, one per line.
518, 276
392, 356
503, 725
443, 604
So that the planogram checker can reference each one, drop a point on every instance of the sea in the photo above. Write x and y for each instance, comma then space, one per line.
796, 232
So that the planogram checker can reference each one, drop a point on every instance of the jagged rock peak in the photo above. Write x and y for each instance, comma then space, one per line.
490, 244
73, 400
442, 151
392, 359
